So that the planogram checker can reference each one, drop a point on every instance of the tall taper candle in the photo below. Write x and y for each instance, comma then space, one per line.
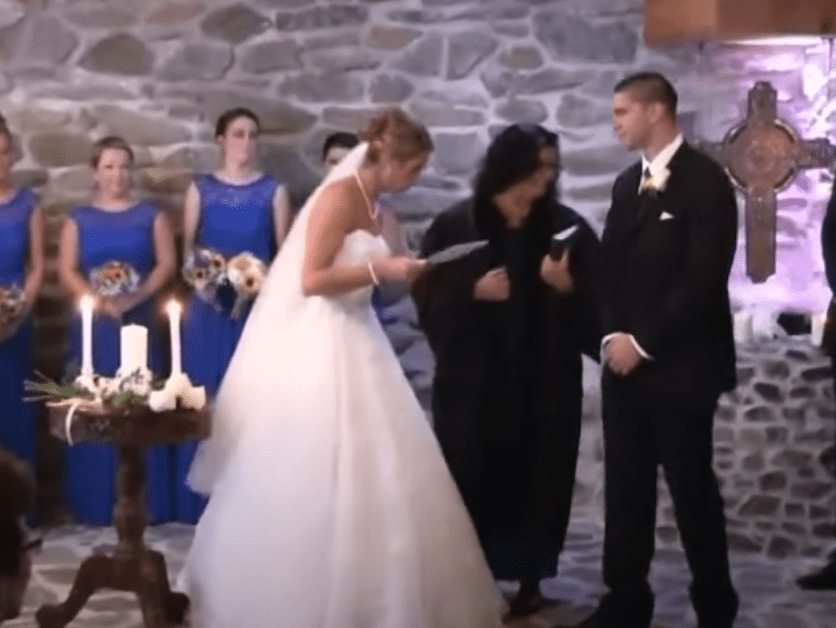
87, 302
174, 309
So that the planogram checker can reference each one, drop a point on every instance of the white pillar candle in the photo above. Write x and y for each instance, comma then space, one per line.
817, 322
86, 304
174, 310
133, 349
743, 329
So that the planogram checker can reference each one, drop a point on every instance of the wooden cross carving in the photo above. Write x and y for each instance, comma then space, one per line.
762, 155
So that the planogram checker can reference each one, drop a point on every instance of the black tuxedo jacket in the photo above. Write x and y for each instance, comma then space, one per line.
828, 247
666, 259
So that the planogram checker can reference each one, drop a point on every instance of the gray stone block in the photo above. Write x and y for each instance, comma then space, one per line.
390, 88
122, 54
423, 58
270, 56
234, 24
522, 58
103, 17
342, 59
571, 37
522, 111
577, 111
332, 16
389, 37
323, 87
277, 116
59, 149
141, 129
206, 62
466, 50
457, 153
49, 42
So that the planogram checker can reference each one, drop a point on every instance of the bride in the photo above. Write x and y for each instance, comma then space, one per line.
331, 504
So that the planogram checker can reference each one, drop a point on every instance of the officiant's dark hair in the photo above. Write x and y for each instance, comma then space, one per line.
650, 87
513, 156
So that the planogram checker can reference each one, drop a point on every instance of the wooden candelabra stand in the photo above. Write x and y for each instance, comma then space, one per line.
132, 566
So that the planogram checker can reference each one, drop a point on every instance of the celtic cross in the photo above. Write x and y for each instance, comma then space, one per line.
763, 155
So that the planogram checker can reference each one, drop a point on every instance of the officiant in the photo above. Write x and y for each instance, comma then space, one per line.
508, 324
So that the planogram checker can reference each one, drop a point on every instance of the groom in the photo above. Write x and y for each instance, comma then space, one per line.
667, 250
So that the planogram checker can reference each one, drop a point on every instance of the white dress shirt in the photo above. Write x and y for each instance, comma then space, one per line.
656, 167
659, 163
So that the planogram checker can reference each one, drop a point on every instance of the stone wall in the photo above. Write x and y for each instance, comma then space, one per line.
774, 455
160, 71
774, 450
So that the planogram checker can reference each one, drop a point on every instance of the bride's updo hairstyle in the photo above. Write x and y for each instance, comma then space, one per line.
398, 135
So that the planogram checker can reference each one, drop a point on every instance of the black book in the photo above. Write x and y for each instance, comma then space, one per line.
563, 240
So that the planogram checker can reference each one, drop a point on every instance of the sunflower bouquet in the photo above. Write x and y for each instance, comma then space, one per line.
12, 302
205, 270
114, 278
246, 274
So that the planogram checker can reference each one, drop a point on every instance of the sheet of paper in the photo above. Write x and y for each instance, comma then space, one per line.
457, 251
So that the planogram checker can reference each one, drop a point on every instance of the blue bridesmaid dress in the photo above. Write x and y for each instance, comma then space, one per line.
17, 421
233, 219
125, 236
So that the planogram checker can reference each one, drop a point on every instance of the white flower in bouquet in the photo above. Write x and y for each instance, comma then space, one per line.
246, 273
12, 302
114, 278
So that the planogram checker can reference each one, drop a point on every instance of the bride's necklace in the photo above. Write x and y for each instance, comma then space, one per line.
373, 209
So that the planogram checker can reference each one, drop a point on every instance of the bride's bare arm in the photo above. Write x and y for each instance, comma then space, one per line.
330, 220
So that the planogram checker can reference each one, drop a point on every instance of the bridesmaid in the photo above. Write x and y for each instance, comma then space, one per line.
233, 210
21, 265
116, 227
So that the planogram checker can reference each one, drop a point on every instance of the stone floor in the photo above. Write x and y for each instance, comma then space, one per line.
768, 597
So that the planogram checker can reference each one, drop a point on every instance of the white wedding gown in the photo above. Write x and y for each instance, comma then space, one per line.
331, 504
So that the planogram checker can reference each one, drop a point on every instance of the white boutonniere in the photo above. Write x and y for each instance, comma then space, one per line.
657, 181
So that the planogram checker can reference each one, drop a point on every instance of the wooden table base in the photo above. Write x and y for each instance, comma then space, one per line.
145, 575
133, 567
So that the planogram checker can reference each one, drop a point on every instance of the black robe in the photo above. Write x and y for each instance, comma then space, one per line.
507, 389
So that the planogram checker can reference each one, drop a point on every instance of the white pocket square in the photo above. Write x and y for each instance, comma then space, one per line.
666, 216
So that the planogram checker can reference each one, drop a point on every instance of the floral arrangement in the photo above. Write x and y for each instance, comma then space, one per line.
12, 302
114, 279
94, 393
246, 273
132, 389
206, 271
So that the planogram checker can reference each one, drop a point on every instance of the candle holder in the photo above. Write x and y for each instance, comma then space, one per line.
178, 387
